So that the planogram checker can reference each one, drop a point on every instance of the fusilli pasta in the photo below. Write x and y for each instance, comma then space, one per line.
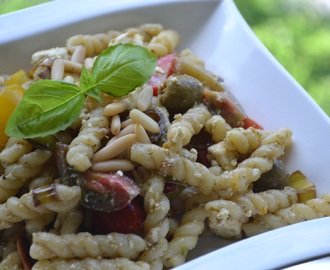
88, 140
227, 217
90, 263
27, 166
297, 212
133, 183
23, 208
47, 246
11, 262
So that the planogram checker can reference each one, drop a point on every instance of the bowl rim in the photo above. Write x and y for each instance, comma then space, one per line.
91, 10
58, 13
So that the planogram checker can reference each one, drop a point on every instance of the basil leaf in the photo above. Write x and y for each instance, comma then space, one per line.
95, 93
50, 106
121, 68
86, 79
87, 84
46, 108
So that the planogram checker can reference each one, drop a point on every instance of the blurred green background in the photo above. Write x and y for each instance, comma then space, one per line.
296, 32
12, 5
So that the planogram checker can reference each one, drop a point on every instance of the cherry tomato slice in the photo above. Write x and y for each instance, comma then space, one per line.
248, 122
107, 191
129, 219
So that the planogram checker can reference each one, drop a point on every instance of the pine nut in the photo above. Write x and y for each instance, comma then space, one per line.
115, 148
147, 122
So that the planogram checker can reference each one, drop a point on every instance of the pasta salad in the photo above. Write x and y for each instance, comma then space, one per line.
120, 152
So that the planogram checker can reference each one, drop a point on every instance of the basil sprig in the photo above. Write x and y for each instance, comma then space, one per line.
49, 106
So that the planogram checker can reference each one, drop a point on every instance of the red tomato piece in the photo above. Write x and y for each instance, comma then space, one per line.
231, 113
248, 122
166, 64
129, 219
226, 105
107, 191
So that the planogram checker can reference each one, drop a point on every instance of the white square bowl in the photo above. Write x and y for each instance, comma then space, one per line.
215, 31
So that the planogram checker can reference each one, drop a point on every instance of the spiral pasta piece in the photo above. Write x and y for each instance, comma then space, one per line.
164, 43
42, 180
297, 212
266, 201
185, 237
157, 206
271, 148
17, 209
90, 263
87, 142
29, 165
12, 262
94, 44
260, 161
225, 158
132, 35
38, 223
68, 222
153, 254
242, 140
227, 217
150, 29
142, 35
14, 149
47, 246
237, 141
273, 144
167, 162
217, 127
185, 126
9, 188
156, 224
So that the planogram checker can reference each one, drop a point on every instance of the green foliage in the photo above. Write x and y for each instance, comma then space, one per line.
298, 35
7, 6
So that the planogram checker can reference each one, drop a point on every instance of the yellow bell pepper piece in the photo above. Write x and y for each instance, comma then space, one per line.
305, 188
19, 78
10, 96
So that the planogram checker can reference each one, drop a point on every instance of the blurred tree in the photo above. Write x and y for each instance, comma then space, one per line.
297, 33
